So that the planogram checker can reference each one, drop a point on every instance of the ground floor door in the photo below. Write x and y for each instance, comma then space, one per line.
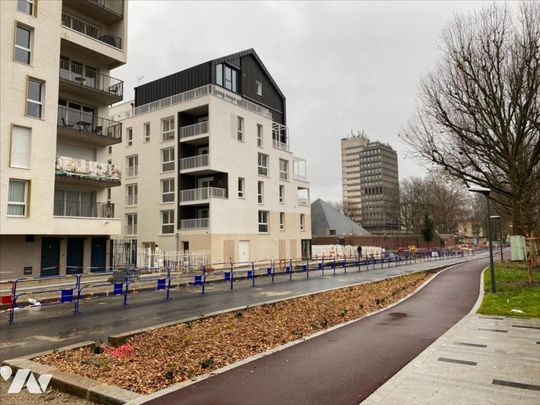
98, 254
75, 255
50, 257
243, 251
306, 248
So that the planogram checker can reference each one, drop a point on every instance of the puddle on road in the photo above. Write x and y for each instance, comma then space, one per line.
397, 315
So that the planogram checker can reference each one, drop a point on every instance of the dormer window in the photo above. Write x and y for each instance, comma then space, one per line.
258, 86
227, 77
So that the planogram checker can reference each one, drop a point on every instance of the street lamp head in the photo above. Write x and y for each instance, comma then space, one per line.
479, 189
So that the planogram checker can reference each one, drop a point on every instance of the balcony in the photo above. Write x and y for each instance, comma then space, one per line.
202, 194
280, 145
196, 223
194, 162
91, 30
86, 209
80, 124
69, 170
303, 202
106, 11
280, 137
194, 131
300, 170
88, 83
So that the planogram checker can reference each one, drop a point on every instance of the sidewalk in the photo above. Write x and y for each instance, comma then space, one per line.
481, 360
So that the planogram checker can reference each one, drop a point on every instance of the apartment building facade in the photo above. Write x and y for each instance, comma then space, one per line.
351, 147
55, 62
370, 183
379, 180
208, 165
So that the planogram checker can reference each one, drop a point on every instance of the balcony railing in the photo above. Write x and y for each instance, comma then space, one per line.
112, 6
91, 30
194, 162
66, 166
196, 223
88, 209
131, 199
198, 194
88, 123
303, 202
192, 94
280, 145
89, 78
194, 130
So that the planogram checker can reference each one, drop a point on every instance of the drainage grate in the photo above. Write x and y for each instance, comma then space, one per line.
526, 326
516, 385
494, 330
491, 317
467, 363
469, 344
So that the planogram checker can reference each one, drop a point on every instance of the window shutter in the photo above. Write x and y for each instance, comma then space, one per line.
21, 143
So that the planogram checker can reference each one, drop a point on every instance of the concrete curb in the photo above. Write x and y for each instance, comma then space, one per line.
80, 386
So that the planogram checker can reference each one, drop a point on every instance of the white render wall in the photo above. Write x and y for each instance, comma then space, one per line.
231, 219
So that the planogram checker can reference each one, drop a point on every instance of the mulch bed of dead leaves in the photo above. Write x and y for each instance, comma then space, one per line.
159, 358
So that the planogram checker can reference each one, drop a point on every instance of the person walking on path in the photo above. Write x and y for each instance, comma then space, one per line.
359, 251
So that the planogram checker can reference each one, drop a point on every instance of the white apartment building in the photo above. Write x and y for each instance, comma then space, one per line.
208, 166
54, 133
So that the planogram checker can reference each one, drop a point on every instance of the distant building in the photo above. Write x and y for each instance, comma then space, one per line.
328, 221
370, 183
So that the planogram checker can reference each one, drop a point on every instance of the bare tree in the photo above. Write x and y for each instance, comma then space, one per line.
479, 110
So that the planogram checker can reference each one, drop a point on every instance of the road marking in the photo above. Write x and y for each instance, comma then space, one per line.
516, 385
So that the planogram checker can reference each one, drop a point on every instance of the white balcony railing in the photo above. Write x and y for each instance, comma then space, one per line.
196, 223
131, 199
303, 202
280, 145
194, 130
199, 194
197, 93
67, 166
194, 162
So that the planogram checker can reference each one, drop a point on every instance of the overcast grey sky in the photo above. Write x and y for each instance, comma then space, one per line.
341, 65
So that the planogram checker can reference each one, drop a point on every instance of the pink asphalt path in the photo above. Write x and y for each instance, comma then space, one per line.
346, 365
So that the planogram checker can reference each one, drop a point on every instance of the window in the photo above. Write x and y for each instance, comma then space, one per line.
241, 187
109, 192
26, 6
147, 132
240, 129
281, 221
167, 126
258, 86
167, 159
227, 77
259, 135
302, 222
129, 136
17, 198
21, 145
260, 192
167, 190
283, 169
281, 193
263, 164
132, 166
23, 44
131, 224
263, 221
167, 221
132, 191
34, 98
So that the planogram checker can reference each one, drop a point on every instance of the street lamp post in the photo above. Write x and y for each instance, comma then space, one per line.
485, 191
500, 234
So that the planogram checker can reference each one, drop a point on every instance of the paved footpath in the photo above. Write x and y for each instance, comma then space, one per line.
346, 365
481, 360
44, 328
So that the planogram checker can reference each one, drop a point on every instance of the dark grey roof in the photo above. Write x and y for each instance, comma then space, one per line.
325, 217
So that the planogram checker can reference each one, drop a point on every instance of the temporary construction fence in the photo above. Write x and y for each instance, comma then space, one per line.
73, 290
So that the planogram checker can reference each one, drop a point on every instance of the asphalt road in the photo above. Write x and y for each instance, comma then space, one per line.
44, 328
346, 365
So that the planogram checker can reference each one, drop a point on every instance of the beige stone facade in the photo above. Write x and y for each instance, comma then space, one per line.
55, 91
